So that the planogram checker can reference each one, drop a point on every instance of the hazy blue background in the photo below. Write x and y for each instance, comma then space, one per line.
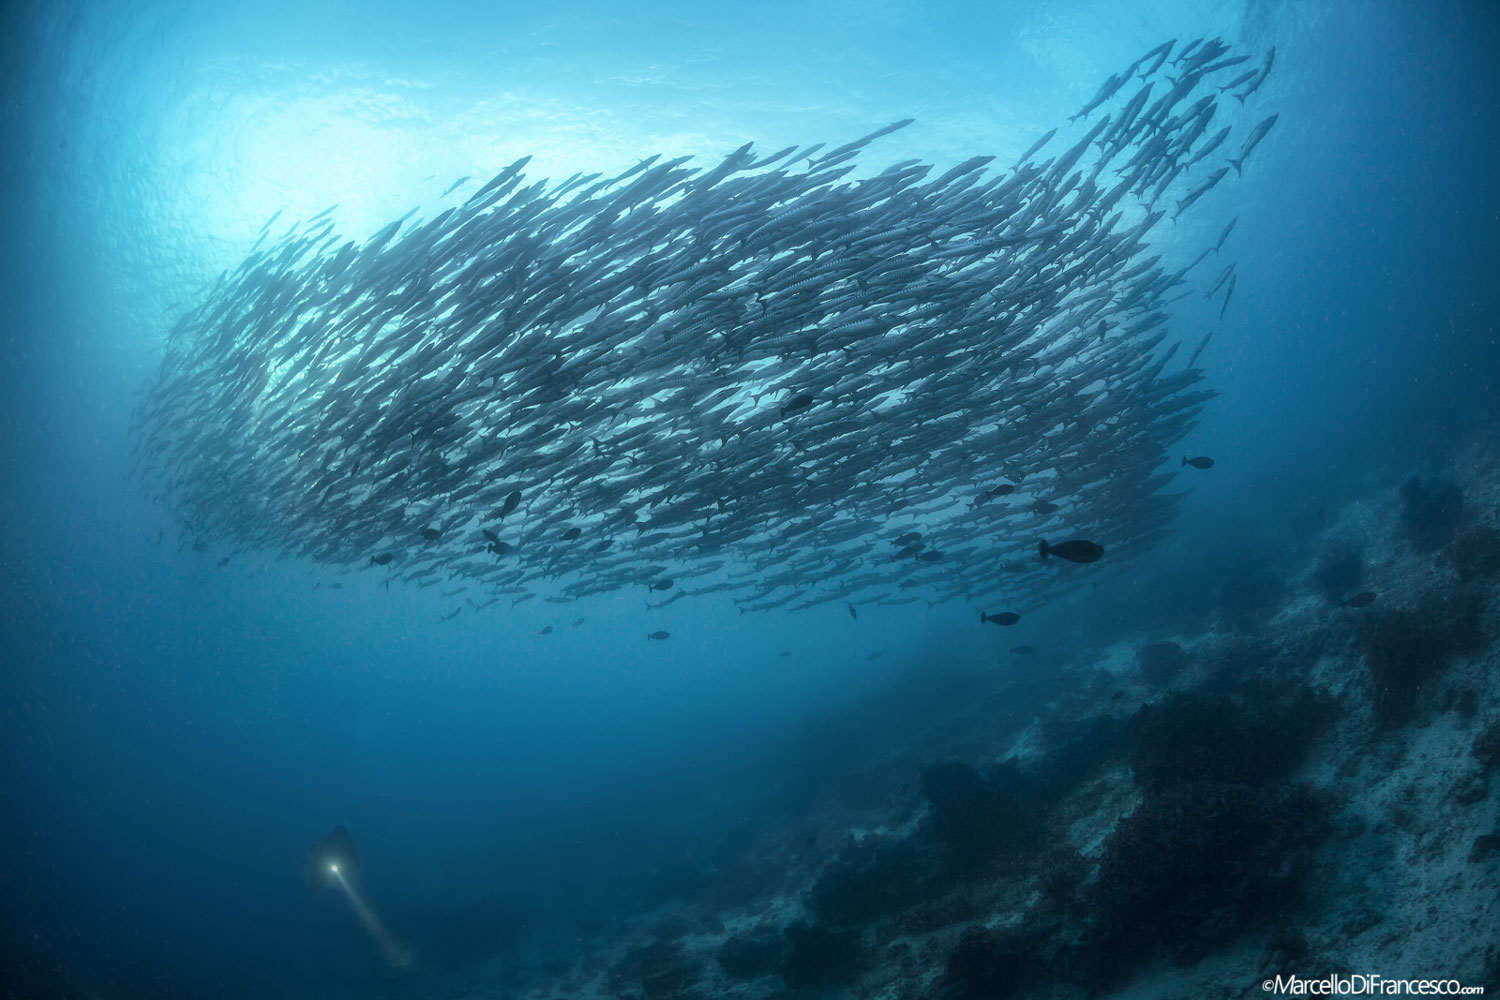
174, 734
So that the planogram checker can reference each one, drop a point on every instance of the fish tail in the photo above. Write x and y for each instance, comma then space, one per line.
1236, 165
1043, 549
983, 617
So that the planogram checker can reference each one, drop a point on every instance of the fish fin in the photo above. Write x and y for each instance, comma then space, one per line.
1236, 165
1043, 548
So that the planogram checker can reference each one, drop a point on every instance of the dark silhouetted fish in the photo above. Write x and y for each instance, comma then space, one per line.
1198, 462
546, 630
797, 404
665, 583
659, 634
383, 559
1003, 618
431, 534
852, 613
1077, 550
1256, 135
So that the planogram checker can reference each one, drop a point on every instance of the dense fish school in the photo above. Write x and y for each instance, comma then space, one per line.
774, 378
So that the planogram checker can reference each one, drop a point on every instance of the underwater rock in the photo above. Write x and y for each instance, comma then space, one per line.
870, 880
988, 965
1475, 554
1194, 737
1430, 513
979, 818
1340, 570
1485, 845
659, 970
1193, 867
1406, 649
1486, 748
752, 954
820, 957
1161, 663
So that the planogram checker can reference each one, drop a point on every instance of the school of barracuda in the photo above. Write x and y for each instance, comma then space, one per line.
769, 378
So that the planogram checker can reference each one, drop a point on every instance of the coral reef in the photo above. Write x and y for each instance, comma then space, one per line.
1155, 816
1196, 737
1406, 649
1193, 866
872, 879
980, 818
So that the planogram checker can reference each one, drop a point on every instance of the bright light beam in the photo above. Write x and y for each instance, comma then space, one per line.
396, 953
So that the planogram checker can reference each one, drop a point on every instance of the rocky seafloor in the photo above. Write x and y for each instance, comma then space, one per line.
1302, 783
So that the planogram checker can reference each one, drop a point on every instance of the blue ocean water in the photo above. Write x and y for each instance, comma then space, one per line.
176, 733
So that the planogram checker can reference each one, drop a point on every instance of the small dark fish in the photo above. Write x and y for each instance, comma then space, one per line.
664, 583
1003, 490
454, 186
490, 536
578, 623
1044, 507
1077, 550
1022, 650
931, 555
797, 404
431, 534
1200, 462
907, 539
1003, 618
604, 545
453, 614
546, 630
222, 562
659, 634
383, 559
784, 653
511, 502
571, 534
1363, 599
852, 613
501, 548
